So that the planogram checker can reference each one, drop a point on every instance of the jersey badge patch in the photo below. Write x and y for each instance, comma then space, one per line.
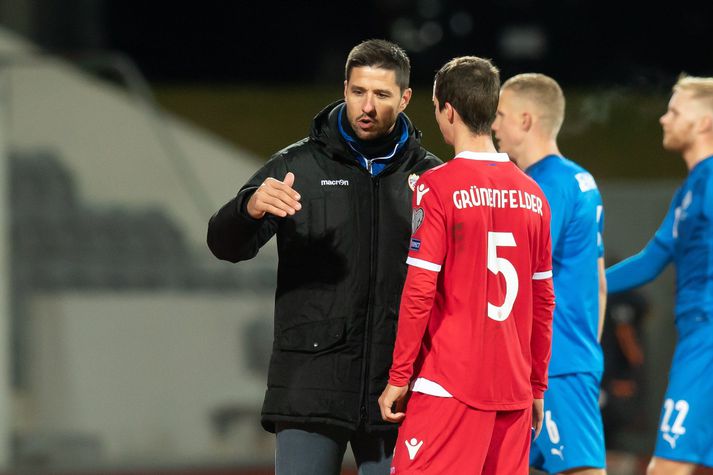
417, 219
412, 179
415, 244
586, 182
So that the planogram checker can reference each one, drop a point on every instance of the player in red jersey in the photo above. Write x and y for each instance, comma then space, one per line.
475, 321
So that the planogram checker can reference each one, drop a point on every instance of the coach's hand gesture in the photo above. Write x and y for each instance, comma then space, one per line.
275, 197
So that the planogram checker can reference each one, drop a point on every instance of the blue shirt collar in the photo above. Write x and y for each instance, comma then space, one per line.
374, 165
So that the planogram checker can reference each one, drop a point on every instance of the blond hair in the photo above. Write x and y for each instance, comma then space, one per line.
545, 93
700, 88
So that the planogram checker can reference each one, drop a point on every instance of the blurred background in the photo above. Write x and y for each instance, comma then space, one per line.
125, 347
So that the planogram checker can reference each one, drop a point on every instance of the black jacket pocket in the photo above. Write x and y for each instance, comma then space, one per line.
312, 337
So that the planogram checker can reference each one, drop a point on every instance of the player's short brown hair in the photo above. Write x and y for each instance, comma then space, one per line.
471, 85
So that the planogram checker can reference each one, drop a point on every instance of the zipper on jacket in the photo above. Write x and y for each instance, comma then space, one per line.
364, 415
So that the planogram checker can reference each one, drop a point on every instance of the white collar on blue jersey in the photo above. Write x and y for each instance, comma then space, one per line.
487, 156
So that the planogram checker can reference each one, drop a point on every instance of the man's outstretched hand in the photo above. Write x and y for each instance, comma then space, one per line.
275, 197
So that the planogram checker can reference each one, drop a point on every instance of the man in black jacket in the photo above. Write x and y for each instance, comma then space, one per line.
340, 204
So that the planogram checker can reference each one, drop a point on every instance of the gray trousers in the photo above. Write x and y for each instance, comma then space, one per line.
318, 449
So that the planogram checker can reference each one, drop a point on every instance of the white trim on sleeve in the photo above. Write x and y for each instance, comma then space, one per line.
542, 275
412, 261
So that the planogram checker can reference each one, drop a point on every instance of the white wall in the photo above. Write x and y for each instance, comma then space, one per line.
142, 372
112, 145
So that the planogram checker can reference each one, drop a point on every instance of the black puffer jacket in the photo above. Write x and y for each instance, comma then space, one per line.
340, 273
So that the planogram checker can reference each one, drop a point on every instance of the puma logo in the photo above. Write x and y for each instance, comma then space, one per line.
670, 439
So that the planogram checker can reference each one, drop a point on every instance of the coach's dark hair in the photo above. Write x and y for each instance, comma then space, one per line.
380, 54
472, 86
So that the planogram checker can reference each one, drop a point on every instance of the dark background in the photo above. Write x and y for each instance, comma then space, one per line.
579, 42
255, 72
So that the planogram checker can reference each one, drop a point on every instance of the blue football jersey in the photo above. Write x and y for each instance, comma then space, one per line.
686, 238
577, 225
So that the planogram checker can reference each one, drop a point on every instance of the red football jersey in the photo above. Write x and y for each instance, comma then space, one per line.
476, 310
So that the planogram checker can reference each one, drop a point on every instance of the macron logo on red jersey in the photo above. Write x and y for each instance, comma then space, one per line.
420, 191
413, 445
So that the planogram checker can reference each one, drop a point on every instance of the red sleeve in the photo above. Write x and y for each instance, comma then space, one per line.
416, 302
426, 254
543, 304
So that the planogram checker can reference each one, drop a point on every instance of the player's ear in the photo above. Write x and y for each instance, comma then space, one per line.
705, 125
450, 112
526, 121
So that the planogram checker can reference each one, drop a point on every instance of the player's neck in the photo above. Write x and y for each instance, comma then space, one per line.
473, 143
536, 151
697, 153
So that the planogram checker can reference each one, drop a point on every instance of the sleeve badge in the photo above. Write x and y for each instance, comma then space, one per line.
412, 179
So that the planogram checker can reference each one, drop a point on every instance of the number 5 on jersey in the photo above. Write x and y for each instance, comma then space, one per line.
498, 265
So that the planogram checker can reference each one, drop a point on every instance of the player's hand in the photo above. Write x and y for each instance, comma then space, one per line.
275, 197
393, 395
538, 415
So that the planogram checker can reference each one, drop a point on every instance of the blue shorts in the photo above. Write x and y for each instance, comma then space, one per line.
685, 431
572, 434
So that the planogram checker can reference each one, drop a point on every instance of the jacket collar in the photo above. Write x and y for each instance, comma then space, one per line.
325, 130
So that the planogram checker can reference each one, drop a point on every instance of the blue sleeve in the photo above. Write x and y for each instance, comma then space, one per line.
648, 263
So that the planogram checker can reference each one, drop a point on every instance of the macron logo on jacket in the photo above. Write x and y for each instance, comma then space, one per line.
340, 182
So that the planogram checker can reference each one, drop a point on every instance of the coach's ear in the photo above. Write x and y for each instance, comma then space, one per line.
405, 99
